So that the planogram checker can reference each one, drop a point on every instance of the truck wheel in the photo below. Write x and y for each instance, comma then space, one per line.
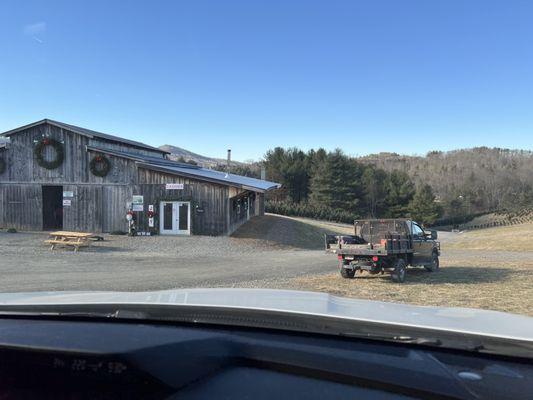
347, 274
434, 266
398, 275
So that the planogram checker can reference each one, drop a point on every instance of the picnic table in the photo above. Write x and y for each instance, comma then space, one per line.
65, 238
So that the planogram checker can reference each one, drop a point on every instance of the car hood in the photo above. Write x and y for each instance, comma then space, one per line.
299, 303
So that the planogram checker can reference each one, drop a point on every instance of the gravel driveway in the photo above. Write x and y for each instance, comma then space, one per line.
149, 263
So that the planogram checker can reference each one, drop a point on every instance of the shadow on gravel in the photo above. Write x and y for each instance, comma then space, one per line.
91, 249
451, 275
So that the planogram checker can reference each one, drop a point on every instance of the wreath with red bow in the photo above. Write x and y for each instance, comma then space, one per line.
39, 153
100, 165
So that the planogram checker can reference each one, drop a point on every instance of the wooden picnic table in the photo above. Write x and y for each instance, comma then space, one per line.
66, 238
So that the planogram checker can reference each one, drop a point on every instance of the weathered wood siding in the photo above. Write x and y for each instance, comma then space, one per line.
21, 206
99, 204
110, 145
209, 201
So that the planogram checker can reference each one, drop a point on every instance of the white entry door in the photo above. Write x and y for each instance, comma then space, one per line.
175, 218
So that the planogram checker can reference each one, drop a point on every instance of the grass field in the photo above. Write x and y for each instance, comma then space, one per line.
506, 238
489, 269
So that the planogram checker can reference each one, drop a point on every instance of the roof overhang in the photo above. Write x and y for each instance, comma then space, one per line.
199, 178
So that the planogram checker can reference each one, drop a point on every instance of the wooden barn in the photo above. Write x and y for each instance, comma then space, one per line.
59, 176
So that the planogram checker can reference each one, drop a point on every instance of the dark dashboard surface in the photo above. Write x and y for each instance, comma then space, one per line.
101, 359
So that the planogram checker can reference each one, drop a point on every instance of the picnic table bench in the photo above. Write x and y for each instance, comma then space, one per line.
65, 238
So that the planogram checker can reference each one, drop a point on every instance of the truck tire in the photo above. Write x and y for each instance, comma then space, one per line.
347, 274
398, 275
434, 266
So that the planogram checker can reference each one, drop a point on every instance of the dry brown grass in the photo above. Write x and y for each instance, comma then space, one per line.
488, 269
510, 238
290, 232
503, 286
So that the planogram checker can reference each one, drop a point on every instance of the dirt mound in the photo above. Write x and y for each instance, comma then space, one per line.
289, 232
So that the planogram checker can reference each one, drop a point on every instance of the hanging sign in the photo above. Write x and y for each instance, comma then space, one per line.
67, 202
174, 186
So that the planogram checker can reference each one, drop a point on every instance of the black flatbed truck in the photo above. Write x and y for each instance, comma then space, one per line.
381, 246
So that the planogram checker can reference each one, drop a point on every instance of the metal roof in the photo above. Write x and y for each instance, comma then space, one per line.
85, 132
192, 171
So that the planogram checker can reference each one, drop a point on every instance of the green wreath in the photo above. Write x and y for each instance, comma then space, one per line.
58, 147
100, 165
2, 166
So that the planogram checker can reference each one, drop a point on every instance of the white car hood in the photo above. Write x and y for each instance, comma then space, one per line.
457, 320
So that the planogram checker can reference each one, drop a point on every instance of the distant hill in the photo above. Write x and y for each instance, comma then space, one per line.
177, 153
486, 178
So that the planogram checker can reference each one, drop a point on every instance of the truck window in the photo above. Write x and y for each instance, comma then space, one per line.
417, 231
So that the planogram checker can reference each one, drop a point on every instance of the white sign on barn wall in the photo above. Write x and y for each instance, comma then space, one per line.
137, 203
68, 194
67, 202
174, 186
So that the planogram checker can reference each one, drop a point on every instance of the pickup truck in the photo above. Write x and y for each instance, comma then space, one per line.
385, 245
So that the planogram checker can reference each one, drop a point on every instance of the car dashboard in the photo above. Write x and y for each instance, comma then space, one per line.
108, 359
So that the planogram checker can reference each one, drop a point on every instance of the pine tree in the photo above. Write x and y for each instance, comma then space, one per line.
336, 183
423, 207
400, 192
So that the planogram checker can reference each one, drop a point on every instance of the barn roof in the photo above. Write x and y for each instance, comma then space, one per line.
192, 171
85, 132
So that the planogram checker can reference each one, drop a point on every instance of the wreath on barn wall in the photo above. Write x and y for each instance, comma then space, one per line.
100, 165
39, 150
2, 166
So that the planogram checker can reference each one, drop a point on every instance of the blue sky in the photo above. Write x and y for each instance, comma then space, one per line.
366, 76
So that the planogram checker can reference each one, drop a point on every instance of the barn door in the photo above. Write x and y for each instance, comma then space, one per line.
52, 208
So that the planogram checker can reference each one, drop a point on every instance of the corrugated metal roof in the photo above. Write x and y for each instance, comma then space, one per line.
216, 176
86, 132
193, 171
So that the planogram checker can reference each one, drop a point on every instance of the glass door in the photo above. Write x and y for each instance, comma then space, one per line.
184, 218
175, 218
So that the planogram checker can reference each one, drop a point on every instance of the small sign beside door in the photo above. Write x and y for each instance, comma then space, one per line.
137, 203
67, 202
68, 194
174, 186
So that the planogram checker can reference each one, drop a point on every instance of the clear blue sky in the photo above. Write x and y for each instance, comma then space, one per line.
367, 76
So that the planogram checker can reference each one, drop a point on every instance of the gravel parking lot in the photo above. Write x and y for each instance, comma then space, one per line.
272, 252
149, 263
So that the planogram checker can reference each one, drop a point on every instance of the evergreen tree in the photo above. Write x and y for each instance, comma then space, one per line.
423, 207
336, 183
400, 192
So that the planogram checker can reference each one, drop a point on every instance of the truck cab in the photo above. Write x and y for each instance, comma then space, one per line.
424, 244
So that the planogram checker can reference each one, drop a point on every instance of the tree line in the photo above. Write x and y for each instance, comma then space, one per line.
438, 188
332, 185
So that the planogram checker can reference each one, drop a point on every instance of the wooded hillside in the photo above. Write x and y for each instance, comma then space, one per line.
453, 184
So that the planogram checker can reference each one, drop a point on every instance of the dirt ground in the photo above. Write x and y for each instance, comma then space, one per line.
278, 252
